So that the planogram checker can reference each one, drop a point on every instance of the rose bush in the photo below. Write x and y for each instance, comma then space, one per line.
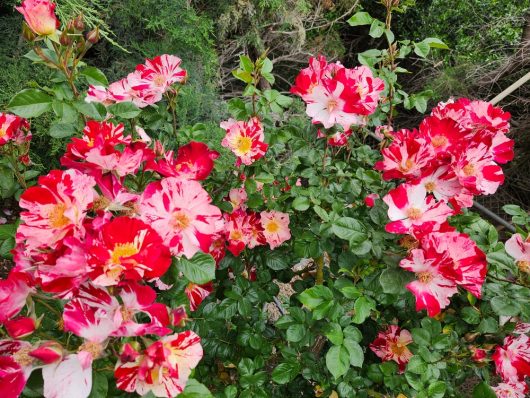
289, 258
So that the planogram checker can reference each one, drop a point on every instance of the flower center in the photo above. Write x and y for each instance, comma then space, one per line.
180, 220
236, 235
524, 266
159, 80
56, 216
94, 349
409, 242
469, 170
243, 144
2, 133
409, 164
123, 250
414, 213
438, 141
397, 348
332, 104
424, 277
22, 357
126, 313
272, 227
430, 186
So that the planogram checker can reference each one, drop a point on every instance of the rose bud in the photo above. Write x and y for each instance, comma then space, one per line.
20, 327
79, 23
179, 316
479, 355
370, 199
93, 36
129, 352
48, 352
39, 16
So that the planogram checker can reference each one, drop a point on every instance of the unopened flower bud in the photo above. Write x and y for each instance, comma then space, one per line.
20, 327
93, 36
65, 39
179, 316
39, 16
79, 22
48, 352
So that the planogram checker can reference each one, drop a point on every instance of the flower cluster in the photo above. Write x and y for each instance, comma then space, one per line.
452, 157
87, 238
336, 95
391, 345
145, 86
245, 228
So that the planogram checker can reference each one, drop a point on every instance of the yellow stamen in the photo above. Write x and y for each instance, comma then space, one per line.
424, 277
56, 216
414, 213
123, 250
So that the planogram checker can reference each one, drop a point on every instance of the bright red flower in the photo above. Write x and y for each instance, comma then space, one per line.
194, 161
55, 208
20, 327
245, 139
391, 345
127, 249
13, 294
40, 16
181, 213
512, 360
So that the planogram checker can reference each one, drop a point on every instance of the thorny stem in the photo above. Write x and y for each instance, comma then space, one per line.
20, 178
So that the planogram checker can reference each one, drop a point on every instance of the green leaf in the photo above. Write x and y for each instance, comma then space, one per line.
264, 178
315, 296
470, 315
92, 110
377, 28
355, 351
295, 333
30, 103
360, 18
194, 389
94, 76
245, 63
285, 372
100, 385
338, 360
7, 231
434, 42
301, 203
276, 260
416, 365
333, 332
62, 130
393, 280
421, 337
267, 66
436, 389
348, 228
483, 390
505, 306
200, 269
422, 49
230, 392
363, 306
125, 110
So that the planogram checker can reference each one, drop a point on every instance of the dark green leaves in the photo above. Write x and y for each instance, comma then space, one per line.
125, 110
483, 390
285, 372
200, 269
363, 307
338, 360
30, 103
194, 389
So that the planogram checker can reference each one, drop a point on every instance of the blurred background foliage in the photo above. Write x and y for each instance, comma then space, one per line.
489, 41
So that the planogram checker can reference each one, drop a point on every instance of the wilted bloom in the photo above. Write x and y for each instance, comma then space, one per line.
163, 368
391, 345
181, 213
275, 227
512, 360
40, 16
245, 140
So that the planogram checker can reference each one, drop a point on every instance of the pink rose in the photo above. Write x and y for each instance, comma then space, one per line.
39, 16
